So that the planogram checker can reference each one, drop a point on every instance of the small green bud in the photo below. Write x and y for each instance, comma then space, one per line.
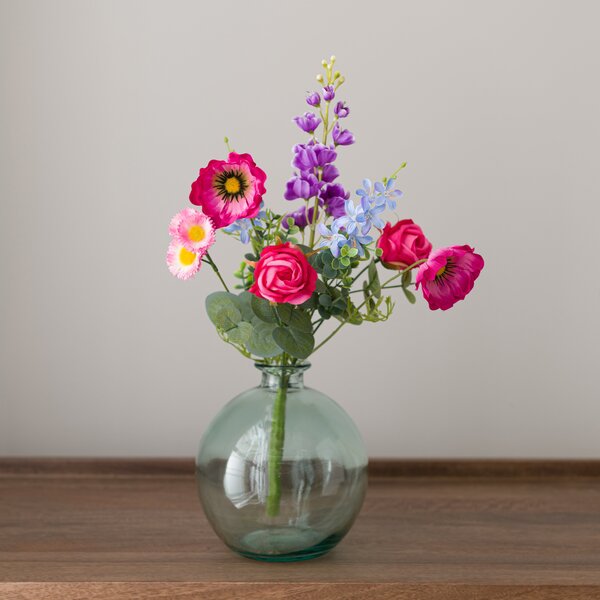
320, 78
342, 79
324, 62
336, 75
332, 59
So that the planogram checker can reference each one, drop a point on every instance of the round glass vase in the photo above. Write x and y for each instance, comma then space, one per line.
282, 470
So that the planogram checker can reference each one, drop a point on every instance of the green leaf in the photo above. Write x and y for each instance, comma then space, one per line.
325, 300
329, 272
293, 341
301, 321
285, 312
378, 251
409, 296
222, 310
261, 342
352, 251
321, 287
240, 334
374, 283
263, 309
406, 278
345, 261
244, 304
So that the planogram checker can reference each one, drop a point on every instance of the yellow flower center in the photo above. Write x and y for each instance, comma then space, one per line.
232, 185
441, 271
186, 258
196, 233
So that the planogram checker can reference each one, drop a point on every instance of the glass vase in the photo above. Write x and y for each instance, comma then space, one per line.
282, 470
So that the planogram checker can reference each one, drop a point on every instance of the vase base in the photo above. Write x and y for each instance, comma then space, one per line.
270, 545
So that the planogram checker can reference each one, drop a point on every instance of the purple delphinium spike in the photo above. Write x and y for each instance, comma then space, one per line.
311, 155
328, 93
342, 137
313, 99
341, 110
334, 197
305, 186
302, 217
308, 122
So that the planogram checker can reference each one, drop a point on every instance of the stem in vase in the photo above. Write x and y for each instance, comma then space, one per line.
276, 446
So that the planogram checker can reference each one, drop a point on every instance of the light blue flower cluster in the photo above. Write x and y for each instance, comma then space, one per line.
243, 227
353, 228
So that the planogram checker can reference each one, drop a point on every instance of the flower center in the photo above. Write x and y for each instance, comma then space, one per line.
196, 233
186, 258
441, 271
231, 184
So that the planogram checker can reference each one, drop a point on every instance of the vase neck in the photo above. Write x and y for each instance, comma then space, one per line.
275, 377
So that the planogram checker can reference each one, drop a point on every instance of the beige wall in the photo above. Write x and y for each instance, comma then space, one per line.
107, 111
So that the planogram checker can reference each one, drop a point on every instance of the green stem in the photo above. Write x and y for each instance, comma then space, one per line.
276, 444
211, 262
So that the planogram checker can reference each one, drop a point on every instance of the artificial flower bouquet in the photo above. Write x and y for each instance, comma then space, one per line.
331, 258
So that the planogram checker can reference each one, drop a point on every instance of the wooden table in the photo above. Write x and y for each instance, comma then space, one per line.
434, 530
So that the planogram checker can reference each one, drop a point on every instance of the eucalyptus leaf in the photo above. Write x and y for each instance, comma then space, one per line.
263, 309
285, 312
222, 309
240, 334
409, 296
293, 341
300, 321
244, 305
261, 342
374, 283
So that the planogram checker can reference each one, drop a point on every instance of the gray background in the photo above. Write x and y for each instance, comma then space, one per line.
107, 111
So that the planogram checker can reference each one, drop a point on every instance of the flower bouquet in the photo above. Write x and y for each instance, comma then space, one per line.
323, 261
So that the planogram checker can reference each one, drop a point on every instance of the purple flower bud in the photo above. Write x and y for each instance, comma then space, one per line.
308, 122
302, 217
313, 99
329, 173
328, 93
341, 110
342, 137
311, 155
334, 197
304, 186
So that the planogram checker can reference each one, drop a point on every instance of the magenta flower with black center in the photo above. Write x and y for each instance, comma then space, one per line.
448, 275
307, 122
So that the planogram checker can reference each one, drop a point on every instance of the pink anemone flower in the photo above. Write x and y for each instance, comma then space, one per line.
229, 190
448, 275
181, 262
193, 230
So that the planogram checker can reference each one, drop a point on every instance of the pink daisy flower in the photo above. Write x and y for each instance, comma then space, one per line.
229, 190
448, 275
182, 263
193, 230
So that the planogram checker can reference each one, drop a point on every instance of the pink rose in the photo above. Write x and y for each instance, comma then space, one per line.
403, 244
283, 274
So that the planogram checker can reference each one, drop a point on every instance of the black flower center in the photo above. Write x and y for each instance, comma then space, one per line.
231, 185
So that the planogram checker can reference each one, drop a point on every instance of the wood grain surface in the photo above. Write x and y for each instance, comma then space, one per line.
449, 530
